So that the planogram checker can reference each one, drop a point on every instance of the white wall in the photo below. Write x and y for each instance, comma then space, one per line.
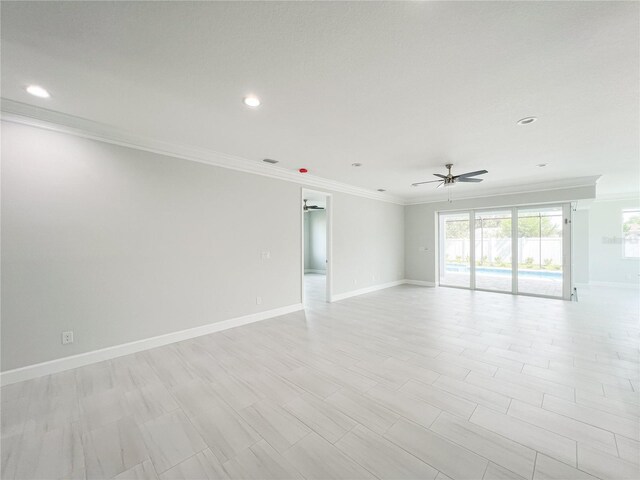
606, 261
119, 244
421, 231
580, 246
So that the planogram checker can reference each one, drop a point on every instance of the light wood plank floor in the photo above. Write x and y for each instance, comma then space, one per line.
404, 383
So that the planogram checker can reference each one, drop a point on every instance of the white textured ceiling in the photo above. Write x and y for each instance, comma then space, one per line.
401, 87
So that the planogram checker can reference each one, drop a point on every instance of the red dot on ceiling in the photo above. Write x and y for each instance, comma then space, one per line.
303, 170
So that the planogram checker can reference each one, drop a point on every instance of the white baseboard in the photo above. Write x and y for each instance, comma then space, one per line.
421, 283
313, 270
382, 286
361, 291
82, 359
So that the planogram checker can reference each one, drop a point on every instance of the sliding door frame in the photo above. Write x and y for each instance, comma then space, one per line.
441, 265
566, 248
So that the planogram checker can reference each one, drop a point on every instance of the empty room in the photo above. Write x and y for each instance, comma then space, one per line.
320, 240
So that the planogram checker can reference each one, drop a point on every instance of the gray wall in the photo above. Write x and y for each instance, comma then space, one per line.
368, 243
606, 261
119, 244
421, 231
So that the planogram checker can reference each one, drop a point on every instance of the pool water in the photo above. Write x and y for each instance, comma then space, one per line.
551, 274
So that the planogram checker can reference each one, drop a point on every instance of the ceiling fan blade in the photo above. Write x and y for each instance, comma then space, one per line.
471, 174
469, 180
440, 175
441, 184
421, 183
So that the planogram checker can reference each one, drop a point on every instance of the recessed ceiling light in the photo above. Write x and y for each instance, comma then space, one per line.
356, 164
541, 165
271, 161
252, 101
38, 91
526, 120
381, 190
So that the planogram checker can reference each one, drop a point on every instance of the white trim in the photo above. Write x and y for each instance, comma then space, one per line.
314, 270
24, 114
329, 249
82, 359
362, 291
421, 283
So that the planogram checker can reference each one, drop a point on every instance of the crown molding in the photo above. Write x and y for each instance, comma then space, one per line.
25, 114
552, 185
22, 113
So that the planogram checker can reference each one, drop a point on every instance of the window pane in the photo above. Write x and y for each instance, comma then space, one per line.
455, 265
540, 251
493, 250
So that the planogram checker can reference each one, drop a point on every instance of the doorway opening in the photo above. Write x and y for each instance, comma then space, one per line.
316, 247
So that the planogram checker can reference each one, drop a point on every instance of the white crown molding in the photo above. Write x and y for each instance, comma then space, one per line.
549, 186
87, 358
25, 114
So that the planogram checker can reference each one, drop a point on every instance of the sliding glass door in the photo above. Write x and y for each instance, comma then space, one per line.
519, 250
540, 255
493, 250
455, 254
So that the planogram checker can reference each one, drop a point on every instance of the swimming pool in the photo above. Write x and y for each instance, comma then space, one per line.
504, 272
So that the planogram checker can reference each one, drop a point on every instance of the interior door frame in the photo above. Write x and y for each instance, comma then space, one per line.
567, 253
329, 244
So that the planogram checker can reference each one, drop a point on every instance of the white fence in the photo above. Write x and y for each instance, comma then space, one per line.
541, 250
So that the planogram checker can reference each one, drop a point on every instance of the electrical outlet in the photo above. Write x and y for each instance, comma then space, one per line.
355, 282
266, 255
67, 337
258, 300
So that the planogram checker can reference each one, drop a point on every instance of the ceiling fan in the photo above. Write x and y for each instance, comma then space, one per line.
306, 207
450, 180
